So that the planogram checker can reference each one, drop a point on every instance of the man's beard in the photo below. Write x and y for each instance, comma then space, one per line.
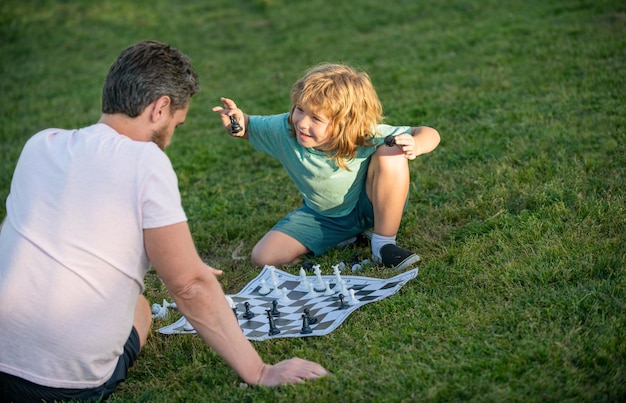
158, 137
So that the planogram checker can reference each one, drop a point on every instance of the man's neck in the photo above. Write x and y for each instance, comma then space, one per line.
126, 126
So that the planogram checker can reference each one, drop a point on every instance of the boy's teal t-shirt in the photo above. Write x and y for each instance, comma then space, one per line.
325, 188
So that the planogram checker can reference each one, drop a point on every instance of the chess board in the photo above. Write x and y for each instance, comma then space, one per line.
328, 310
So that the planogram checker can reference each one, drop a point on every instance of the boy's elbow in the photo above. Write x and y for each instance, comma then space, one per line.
436, 137
430, 138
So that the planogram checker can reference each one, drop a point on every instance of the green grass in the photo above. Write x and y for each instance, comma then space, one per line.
519, 215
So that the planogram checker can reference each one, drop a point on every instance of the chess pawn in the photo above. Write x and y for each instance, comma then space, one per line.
276, 291
274, 311
264, 290
248, 314
312, 319
312, 293
342, 303
353, 300
328, 291
284, 297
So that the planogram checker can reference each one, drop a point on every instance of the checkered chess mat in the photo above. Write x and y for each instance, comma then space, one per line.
328, 311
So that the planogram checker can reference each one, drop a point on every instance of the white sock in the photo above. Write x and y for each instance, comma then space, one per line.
378, 241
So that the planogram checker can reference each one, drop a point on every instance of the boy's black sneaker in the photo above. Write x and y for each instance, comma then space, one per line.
395, 257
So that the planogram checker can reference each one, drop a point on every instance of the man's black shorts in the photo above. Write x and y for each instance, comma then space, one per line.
14, 389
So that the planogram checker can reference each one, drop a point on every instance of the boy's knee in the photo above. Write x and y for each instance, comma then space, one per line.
257, 257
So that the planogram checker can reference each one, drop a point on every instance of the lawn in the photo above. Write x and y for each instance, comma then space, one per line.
519, 215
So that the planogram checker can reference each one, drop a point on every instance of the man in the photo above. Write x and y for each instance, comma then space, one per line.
89, 210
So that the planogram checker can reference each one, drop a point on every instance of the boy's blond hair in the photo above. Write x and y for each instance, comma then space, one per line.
348, 99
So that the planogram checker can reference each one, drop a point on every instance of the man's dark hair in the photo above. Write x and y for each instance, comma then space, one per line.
144, 72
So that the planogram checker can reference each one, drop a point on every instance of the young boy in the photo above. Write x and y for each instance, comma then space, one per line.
351, 170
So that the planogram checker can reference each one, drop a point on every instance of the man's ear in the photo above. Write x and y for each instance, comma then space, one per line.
160, 108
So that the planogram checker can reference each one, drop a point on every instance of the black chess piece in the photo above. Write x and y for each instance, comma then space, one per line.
306, 329
312, 320
273, 329
342, 304
235, 127
275, 311
248, 314
308, 266
390, 141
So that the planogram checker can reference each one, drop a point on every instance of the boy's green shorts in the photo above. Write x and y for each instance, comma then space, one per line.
320, 233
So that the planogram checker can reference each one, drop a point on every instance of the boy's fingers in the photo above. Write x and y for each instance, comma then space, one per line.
229, 103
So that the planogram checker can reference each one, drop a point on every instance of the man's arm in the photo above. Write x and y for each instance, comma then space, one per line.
200, 298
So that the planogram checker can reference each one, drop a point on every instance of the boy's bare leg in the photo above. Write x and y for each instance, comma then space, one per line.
387, 187
276, 249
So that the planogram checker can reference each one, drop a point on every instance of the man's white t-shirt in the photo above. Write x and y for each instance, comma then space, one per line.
72, 256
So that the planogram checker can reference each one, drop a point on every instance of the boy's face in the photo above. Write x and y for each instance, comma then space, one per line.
311, 127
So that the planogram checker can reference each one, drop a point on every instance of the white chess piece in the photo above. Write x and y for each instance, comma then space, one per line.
338, 279
353, 300
264, 290
328, 290
311, 293
276, 291
162, 313
304, 281
169, 304
341, 287
320, 285
284, 298
273, 278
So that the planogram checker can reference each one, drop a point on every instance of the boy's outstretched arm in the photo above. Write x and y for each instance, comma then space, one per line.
422, 140
230, 110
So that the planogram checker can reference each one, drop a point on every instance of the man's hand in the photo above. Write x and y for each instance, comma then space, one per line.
294, 370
